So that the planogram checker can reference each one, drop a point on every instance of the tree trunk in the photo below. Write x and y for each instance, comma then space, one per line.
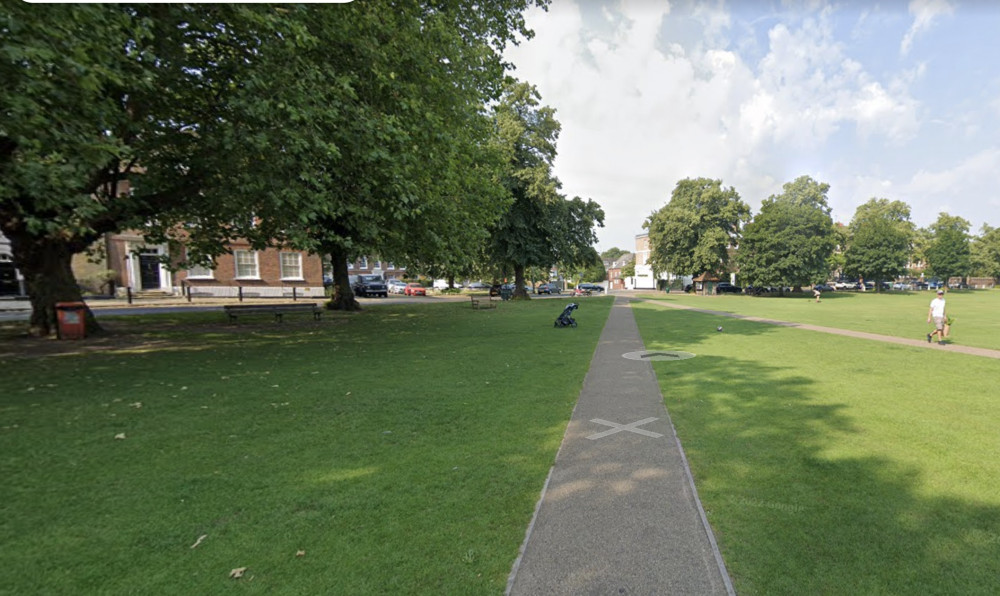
343, 294
519, 291
46, 264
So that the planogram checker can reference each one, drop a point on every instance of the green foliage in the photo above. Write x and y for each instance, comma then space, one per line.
629, 269
949, 253
985, 253
880, 241
335, 128
613, 253
790, 241
692, 233
541, 227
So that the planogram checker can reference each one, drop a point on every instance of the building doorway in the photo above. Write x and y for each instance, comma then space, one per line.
149, 269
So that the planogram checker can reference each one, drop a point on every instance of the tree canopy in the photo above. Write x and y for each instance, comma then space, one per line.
790, 241
339, 129
880, 240
693, 232
985, 253
541, 227
949, 253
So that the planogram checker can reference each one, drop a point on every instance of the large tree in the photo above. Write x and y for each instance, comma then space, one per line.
880, 240
790, 241
985, 252
541, 227
948, 254
386, 146
341, 129
106, 113
693, 232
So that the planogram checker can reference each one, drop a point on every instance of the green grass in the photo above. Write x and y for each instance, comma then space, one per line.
833, 465
900, 314
403, 449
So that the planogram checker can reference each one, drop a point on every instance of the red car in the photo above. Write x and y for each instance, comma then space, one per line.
414, 290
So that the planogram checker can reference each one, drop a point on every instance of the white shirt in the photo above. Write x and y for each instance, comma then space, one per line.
937, 307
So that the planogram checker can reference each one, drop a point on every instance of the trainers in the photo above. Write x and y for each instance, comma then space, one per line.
928, 338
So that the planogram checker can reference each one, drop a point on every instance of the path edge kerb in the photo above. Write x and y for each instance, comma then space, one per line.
706, 526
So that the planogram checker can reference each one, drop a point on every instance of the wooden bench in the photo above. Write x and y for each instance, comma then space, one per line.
478, 302
278, 310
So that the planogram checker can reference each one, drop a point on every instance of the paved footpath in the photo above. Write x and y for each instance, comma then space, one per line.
619, 513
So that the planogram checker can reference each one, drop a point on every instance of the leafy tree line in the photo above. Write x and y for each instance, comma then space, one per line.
793, 241
348, 129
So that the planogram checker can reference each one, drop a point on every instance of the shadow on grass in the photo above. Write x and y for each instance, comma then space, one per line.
796, 510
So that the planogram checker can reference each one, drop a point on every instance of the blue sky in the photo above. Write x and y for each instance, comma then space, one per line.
895, 99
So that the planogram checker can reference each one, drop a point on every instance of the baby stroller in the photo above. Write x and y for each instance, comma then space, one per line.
566, 318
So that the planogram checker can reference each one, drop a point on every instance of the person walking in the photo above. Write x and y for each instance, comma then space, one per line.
816, 293
937, 312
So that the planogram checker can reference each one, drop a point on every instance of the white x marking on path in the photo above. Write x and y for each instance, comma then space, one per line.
617, 428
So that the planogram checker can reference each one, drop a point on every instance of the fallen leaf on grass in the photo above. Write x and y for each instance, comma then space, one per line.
136, 405
237, 573
120, 436
300, 553
199, 540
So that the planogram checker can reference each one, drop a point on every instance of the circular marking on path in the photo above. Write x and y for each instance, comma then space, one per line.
658, 355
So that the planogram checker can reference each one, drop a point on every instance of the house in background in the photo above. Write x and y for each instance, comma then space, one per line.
11, 280
127, 262
644, 278
614, 269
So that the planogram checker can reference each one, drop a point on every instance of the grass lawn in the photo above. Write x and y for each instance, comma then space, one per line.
396, 451
832, 465
900, 314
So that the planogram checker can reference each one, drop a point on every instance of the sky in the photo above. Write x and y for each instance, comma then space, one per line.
898, 99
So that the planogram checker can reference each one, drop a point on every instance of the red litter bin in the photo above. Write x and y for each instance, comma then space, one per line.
72, 320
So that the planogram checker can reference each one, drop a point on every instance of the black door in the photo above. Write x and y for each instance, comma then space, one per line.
8, 279
149, 272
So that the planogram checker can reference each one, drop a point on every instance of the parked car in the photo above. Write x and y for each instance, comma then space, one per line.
823, 287
728, 288
412, 289
478, 285
934, 284
549, 288
370, 285
589, 287
396, 286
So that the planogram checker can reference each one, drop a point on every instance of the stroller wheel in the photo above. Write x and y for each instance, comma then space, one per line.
574, 323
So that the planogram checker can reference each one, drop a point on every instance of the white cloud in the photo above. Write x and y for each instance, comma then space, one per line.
924, 12
641, 109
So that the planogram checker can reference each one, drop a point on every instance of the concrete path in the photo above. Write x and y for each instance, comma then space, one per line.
619, 513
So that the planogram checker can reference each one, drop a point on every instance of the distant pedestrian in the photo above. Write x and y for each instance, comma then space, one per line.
816, 293
938, 314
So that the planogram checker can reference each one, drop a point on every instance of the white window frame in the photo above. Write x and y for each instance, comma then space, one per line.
291, 271
364, 262
236, 264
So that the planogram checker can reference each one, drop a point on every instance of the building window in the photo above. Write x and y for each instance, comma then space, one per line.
291, 265
350, 266
201, 272
246, 264
364, 262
